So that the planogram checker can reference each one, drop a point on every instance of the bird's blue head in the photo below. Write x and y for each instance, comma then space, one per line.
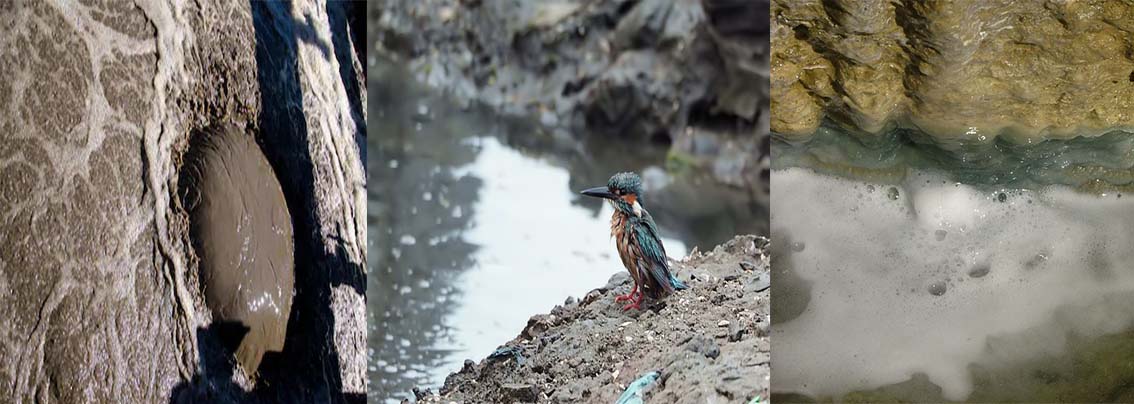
627, 183
623, 190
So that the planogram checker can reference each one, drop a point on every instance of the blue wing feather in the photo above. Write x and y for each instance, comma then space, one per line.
647, 237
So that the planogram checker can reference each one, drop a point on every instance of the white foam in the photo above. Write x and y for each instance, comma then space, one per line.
870, 260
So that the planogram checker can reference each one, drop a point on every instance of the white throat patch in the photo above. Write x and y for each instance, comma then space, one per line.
637, 208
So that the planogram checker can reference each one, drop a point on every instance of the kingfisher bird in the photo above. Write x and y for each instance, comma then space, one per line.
636, 238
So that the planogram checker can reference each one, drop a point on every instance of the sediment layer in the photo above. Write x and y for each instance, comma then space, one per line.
957, 70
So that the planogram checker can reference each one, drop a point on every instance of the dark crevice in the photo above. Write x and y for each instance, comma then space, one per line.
702, 115
739, 18
574, 86
802, 33
661, 137
625, 8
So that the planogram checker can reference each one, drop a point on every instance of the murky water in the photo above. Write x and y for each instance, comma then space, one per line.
914, 270
475, 224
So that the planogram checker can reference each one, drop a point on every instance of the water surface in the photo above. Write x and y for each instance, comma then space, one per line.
907, 270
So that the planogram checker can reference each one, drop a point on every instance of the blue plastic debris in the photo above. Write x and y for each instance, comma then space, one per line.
508, 351
633, 393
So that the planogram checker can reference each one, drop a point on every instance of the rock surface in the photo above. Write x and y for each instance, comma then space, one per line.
685, 73
99, 101
710, 342
970, 70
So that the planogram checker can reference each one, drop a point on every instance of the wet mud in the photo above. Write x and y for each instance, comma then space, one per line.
709, 342
242, 236
98, 105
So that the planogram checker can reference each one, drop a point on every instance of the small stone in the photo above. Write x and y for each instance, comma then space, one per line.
758, 284
419, 394
446, 13
548, 118
722, 323
747, 266
763, 329
628, 338
422, 113
735, 332
705, 346
591, 297
537, 325
528, 393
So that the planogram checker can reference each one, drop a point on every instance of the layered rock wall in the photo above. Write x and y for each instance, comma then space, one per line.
969, 70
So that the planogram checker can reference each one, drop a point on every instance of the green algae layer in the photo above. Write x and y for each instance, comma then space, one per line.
1097, 164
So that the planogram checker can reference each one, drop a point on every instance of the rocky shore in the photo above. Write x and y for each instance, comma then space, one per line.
688, 74
709, 343
965, 70
99, 278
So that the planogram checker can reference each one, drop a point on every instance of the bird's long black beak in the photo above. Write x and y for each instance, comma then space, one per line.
598, 192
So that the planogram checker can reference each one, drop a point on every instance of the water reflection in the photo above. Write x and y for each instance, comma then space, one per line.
475, 224
945, 280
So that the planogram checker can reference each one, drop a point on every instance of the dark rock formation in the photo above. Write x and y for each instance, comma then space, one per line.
647, 71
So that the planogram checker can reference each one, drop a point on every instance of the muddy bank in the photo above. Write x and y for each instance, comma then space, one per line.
688, 74
709, 343
969, 70
100, 102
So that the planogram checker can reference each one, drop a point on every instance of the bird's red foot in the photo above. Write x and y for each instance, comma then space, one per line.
634, 303
628, 296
